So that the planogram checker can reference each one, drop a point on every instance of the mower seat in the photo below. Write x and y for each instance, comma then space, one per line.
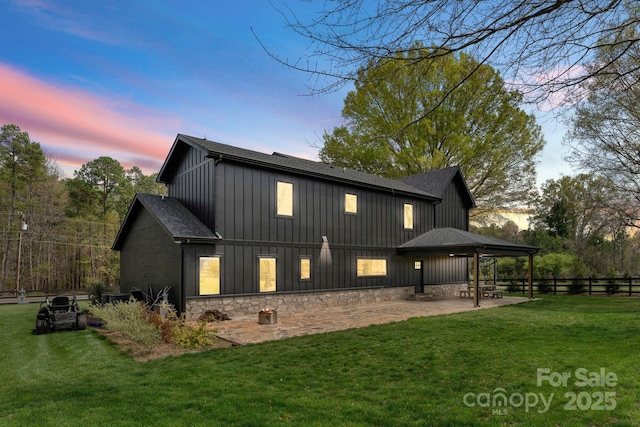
60, 303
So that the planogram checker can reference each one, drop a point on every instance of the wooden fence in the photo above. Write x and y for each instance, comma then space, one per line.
573, 286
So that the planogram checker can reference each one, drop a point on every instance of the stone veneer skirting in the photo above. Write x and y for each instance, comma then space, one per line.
445, 290
246, 305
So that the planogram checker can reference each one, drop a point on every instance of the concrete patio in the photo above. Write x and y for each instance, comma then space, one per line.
246, 330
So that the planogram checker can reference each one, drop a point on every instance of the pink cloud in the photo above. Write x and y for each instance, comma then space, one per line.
74, 119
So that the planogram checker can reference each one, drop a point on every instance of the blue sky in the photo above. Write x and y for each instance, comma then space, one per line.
122, 78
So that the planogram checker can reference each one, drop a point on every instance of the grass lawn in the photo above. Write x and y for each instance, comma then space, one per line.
443, 370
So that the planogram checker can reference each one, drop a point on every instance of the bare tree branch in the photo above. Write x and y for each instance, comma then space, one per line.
542, 47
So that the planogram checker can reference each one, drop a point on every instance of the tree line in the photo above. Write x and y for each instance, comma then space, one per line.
578, 230
57, 232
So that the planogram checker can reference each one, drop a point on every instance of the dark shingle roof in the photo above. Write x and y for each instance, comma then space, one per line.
293, 164
460, 242
179, 223
435, 182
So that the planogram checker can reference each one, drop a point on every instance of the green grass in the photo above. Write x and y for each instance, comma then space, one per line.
407, 373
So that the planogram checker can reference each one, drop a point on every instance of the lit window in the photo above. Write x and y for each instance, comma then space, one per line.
350, 203
417, 265
209, 276
284, 192
372, 267
305, 268
408, 216
267, 274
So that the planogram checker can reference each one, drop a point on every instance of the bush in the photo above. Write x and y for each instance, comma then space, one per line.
95, 293
544, 287
514, 286
189, 336
131, 320
611, 287
177, 331
576, 287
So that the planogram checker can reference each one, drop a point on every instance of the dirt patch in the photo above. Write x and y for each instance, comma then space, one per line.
162, 349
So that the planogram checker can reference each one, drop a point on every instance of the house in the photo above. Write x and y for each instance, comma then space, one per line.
242, 230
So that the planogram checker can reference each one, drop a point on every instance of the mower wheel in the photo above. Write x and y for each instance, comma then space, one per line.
42, 326
81, 322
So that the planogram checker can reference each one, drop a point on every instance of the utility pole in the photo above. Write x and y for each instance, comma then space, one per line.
23, 227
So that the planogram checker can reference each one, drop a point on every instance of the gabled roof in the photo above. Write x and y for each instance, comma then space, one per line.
291, 164
436, 182
443, 241
176, 220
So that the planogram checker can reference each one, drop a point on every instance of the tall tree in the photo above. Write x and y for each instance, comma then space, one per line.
575, 208
604, 137
396, 125
145, 183
543, 45
102, 180
22, 165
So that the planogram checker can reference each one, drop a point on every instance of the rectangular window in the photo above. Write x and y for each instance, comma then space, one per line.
284, 196
408, 216
209, 283
372, 267
305, 268
267, 274
350, 203
418, 265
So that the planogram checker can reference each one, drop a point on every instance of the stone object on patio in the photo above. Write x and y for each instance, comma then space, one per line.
267, 316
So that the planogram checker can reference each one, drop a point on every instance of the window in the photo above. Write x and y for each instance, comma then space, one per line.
417, 265
267, 274
305, 268
350, 203
408, 216
284, 196
209, 283
372, 267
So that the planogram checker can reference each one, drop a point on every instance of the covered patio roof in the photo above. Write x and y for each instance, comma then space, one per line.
455, 242
452, 241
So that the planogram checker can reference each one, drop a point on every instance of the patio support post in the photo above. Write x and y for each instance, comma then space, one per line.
530, 276
476, 280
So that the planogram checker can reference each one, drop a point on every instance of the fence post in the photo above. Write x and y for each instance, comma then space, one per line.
630, 285
590, 285
555, 284
523, 286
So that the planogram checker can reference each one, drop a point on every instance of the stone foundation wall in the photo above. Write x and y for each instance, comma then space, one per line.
446, 290
246, 305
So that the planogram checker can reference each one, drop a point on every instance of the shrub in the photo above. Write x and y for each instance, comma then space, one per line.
544, 287
95, 293
576, 287
611, 287
190, 336
131, 320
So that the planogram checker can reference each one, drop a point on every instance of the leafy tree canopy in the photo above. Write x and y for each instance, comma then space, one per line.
396, 125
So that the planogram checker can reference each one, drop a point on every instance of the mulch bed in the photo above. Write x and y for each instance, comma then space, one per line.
141, 354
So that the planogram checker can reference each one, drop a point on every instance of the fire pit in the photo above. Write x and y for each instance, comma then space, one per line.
267, 316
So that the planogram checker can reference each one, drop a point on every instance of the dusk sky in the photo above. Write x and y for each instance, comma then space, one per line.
119, 78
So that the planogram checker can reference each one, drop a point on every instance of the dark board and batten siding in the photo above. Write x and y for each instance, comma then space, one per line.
245, 216
193, 182
239, 268
247, 211
453, 210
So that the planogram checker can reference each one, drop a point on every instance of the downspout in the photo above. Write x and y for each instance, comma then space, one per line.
183, 290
